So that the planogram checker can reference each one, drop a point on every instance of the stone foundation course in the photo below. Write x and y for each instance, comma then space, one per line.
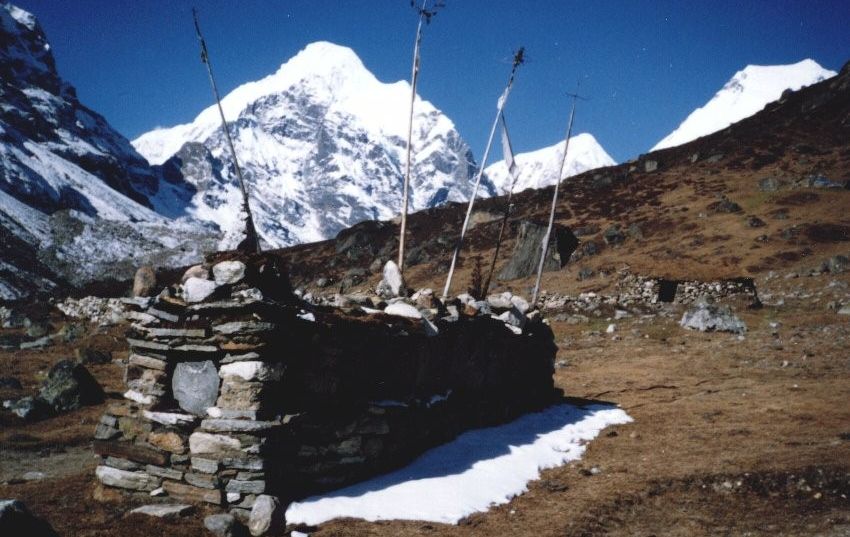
235, 388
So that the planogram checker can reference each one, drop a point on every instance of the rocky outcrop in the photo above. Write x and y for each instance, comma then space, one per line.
526, 255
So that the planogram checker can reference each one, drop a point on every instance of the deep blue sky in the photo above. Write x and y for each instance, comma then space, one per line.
644, 65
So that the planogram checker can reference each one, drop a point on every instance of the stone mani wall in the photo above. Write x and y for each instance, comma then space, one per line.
233, 394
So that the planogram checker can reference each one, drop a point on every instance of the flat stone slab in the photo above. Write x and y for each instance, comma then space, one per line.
226, 425
124, 479
195, 386
164, 510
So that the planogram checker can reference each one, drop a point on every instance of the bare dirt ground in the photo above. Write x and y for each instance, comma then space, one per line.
731, 436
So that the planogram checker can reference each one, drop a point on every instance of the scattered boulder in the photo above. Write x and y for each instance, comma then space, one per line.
198, 290
583, 231
707, 317
30, 408
725, 205
634, 231
755, 221
223, 525
836, 264
16, 519
650, 166
38, 329
613, 235
69, 386
425, 298
267, 516
196, 271
401, 309
228, 272
392, 282
819, 181
770, 184
144, 283
585, 273
195, 386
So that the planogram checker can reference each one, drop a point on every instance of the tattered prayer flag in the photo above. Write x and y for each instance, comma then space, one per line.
507, 150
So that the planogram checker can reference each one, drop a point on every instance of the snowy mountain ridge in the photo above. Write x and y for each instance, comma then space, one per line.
322, 146
539, 168
742, 96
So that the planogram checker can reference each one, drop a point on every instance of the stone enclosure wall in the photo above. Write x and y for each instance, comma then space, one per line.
235, 389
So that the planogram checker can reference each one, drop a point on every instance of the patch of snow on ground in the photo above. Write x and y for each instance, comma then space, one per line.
474, 472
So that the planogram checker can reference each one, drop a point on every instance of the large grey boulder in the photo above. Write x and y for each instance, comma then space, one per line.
707, 317
16, 520
526, 255
195, 386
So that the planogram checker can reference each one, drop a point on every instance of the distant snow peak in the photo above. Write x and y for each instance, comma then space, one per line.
539, 169
321, 143
742, 96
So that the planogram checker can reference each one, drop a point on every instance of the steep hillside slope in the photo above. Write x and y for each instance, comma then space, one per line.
76, 200
764, 194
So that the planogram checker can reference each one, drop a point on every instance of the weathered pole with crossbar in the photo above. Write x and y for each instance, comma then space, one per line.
544, 248
252, 240
519, 59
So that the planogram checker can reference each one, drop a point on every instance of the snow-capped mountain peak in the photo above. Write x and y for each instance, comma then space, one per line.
538, 169
334, 75
742, 96
322, 143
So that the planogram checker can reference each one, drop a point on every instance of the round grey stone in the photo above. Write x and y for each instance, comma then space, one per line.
266, 515
222, 525
195, 386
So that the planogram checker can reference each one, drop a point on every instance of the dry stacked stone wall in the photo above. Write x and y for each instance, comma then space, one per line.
234, 388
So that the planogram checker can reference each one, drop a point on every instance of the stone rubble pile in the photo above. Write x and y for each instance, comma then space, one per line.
100, 311
641, 292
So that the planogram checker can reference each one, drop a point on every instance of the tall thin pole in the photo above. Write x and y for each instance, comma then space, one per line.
414, 78
251, 241
544, 248
514, 176
518, 60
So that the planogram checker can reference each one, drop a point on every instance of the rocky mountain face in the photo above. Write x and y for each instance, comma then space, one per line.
538, 169
322, 145
745, 94
75, 197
